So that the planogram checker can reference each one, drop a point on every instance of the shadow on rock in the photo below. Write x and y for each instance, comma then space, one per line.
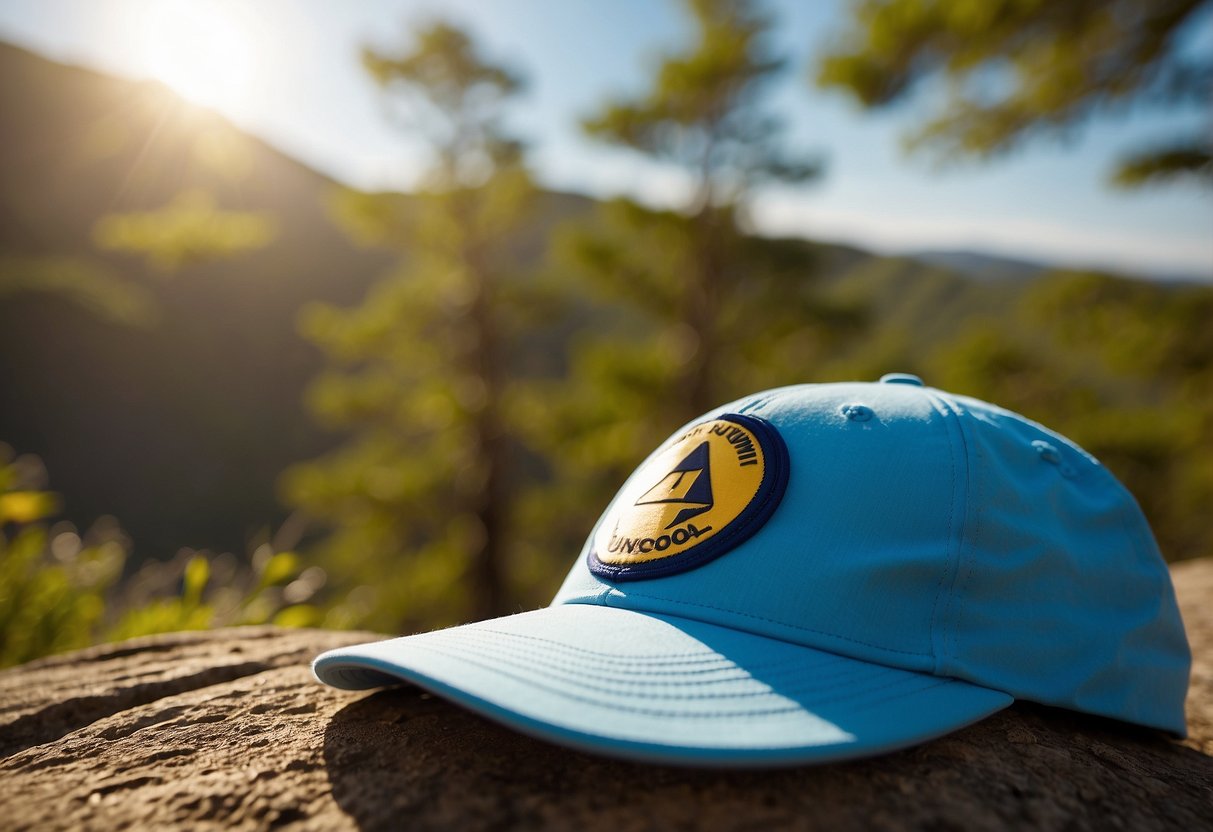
402, 758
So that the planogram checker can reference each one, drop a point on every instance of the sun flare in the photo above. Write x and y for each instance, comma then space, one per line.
203, 49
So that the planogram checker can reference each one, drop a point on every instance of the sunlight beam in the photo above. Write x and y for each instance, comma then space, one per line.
203, 49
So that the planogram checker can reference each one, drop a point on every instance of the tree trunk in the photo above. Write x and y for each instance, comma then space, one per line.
702, 312
491, 505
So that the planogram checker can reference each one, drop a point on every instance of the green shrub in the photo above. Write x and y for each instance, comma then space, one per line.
60, 590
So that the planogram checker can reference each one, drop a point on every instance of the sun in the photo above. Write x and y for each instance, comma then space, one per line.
203, 49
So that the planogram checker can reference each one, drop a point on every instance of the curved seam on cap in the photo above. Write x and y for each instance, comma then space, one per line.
906, 676
797, 708
632, 593
947, 412
548, 649
973, 457
620, 658
798, 663
685, 657
787, 675
1140, 538
753, 405
633, 669
1145, 548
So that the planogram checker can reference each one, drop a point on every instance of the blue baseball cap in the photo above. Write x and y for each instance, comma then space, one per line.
824, 572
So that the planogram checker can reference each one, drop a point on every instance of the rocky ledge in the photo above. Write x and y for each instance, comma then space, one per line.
228, 729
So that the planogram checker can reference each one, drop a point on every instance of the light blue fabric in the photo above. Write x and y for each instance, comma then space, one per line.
955, 551
663, 689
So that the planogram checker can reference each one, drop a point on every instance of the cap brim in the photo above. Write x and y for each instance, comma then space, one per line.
665, 689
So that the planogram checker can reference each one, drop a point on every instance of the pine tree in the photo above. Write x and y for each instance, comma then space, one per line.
707, 115
700, 310
1015, 70
418, 501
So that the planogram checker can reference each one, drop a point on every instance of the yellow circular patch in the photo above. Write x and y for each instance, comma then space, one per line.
712, 485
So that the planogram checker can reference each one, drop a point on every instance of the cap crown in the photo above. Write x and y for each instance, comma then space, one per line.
939, 533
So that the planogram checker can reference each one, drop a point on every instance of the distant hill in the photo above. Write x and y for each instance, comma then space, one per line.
169, 400
177, 426
982, 266
173, 400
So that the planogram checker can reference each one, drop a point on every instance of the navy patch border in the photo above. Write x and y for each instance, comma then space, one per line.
752, 518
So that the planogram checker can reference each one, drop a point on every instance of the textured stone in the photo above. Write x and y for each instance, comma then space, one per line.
227, 729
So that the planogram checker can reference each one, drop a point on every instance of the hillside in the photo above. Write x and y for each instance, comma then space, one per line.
177, 424
173, 399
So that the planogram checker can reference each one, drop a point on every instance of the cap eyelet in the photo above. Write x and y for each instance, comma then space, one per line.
902, 378
1049, 453
857, 412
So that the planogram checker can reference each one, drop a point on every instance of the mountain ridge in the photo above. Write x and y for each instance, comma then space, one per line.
179, 423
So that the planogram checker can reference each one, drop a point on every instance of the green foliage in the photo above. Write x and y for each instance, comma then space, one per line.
689, 309
82, 282
51, 585
60, 590
705, 110
445, 90
206, 368
216, 592
1181, 161
766, 317
490, 409
1015, 68
417, 503
190, 229
186, 612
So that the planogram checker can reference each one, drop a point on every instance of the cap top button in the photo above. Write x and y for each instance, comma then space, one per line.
901, 378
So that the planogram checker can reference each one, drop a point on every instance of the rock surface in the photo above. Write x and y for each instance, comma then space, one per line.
226, 729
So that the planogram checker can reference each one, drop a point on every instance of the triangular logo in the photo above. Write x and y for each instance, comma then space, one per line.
688, 484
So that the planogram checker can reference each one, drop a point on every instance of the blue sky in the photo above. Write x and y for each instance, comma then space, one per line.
306, 93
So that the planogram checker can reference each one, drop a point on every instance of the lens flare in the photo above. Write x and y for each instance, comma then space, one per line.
204, 50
